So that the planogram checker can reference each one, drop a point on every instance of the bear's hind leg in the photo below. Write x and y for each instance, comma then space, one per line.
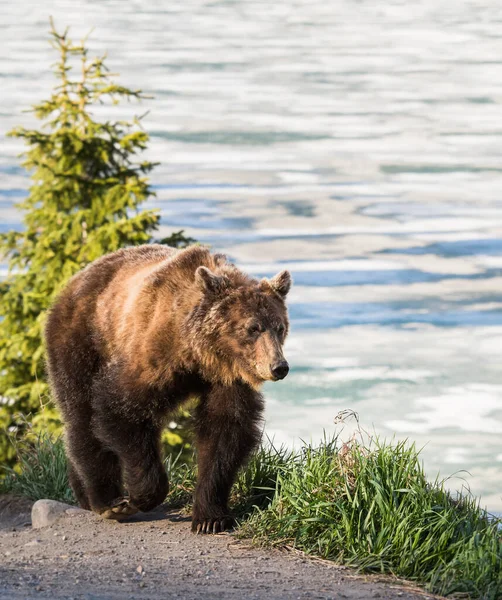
95, 474
138, 446
78, 487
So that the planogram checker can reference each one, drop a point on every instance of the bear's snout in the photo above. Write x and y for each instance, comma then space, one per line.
280, 370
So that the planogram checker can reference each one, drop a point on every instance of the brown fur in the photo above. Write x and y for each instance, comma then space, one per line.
134, 335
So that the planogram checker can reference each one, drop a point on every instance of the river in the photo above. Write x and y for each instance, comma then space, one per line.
358, 144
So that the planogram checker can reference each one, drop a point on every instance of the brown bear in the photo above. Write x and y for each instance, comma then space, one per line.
135, 334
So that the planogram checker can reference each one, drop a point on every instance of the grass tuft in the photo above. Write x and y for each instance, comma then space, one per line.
41, 471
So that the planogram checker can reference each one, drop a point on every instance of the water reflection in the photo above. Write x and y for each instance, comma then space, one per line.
490, 247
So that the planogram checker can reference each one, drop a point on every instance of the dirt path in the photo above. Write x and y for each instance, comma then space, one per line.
84, 557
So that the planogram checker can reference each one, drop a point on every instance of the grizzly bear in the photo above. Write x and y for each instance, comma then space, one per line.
134, 335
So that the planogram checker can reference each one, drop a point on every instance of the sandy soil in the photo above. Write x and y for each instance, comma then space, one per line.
157, 557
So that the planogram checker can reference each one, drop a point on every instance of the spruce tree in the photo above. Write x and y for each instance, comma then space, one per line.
87, 185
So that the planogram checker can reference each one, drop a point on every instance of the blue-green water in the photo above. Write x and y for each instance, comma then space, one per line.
358, 144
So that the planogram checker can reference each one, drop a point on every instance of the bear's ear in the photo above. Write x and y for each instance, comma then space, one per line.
281, 283
220, 259
209, 282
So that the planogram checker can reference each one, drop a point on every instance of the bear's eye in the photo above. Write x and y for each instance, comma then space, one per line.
254, 329
280, 329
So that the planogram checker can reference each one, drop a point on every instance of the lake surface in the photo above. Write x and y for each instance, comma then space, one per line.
358, 144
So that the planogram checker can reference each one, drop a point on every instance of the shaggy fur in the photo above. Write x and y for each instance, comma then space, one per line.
134, 335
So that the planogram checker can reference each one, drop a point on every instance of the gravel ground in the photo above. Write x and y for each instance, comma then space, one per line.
157, 557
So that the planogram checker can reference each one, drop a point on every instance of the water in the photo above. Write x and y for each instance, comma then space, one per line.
358, 144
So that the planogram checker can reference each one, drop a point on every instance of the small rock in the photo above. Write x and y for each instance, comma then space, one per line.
33, 543
46, 512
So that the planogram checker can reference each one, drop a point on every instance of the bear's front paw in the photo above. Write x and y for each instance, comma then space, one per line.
120, 509
212, 525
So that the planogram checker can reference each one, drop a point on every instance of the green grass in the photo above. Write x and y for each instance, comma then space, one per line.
372, 508
367, 505
41, 470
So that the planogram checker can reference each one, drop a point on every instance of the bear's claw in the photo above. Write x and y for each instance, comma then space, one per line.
212, 525
120, 509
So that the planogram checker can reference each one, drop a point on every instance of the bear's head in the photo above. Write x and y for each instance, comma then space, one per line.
243, 325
